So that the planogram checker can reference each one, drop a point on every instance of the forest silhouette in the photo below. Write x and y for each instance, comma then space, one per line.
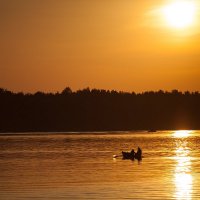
98, 110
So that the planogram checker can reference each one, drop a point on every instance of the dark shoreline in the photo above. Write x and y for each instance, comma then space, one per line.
83, 132
98, 110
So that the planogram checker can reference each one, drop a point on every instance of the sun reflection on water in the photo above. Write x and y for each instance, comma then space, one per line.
182, 133
182, 177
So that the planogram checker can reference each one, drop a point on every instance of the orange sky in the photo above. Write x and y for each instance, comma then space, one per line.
125, 45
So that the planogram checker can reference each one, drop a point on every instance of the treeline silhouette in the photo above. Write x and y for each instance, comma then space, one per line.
98, 110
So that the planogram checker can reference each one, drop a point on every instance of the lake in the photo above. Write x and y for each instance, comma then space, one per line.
81, 166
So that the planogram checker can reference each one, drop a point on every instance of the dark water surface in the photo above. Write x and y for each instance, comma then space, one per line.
81, 166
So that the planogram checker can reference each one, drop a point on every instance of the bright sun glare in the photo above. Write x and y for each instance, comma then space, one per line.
180, 14
182, 133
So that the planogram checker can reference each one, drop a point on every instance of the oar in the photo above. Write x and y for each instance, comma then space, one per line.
116, 156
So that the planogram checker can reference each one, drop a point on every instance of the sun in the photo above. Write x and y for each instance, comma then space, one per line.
180, 14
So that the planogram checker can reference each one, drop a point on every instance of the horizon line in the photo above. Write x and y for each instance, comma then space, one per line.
99, 89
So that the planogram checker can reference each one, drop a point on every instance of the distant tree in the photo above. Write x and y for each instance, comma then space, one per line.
98, 109
187, 93
67, 91
2, 90
84, 91
39, 93
176, 92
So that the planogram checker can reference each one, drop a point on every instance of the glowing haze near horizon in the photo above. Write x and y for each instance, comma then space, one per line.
117, 44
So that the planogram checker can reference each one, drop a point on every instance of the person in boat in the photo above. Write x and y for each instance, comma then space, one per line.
138, 155
132, 153
129, 155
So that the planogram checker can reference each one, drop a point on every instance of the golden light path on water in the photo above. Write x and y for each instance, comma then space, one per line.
182, 133
182, 176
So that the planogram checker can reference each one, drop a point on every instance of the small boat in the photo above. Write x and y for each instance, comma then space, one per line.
128, 155
152, 131
132, 155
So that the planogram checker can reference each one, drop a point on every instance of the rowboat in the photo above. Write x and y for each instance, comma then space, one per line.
132, 155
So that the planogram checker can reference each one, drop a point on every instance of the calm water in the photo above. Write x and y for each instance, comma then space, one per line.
81, 166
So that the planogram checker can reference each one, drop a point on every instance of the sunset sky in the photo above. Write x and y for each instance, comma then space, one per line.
130, 45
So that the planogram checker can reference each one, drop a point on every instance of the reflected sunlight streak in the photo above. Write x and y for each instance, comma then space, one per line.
182, 133
183, 177
183, 186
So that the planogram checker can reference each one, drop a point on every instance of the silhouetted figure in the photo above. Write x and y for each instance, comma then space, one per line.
133, 152
129, 155
138, 155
